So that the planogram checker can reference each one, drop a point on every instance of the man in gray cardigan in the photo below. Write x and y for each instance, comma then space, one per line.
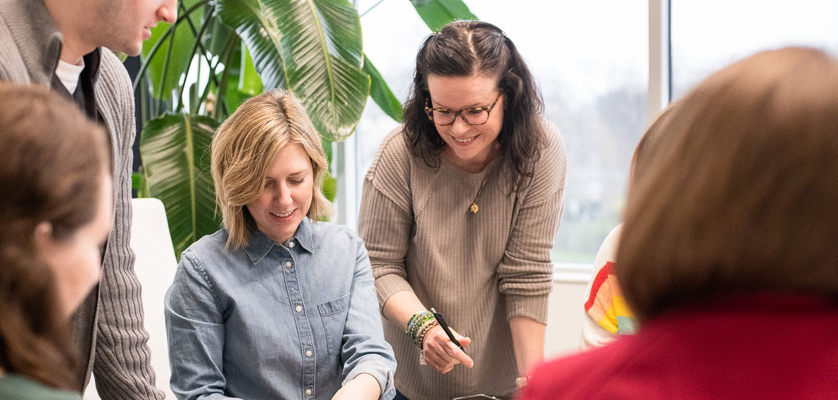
63, 45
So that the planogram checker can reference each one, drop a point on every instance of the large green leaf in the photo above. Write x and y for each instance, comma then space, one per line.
249, 81
437, 13
311, 47
381, 93
176, 156
219, 35
178, 57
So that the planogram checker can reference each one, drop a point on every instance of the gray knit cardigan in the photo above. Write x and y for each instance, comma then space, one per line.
109, 326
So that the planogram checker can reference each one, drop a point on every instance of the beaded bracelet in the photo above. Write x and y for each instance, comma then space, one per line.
416, 322
420, 337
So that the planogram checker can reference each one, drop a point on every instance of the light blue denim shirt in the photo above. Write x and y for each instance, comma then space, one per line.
271, 321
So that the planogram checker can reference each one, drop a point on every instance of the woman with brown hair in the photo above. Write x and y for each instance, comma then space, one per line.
459, 211
728, 254
55, 214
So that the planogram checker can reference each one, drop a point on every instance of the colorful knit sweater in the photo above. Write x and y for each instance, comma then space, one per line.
607, 313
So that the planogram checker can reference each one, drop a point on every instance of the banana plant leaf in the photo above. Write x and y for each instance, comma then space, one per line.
240, 80
219, 34
330, 187
175, 149
381, 93
437, 13
249, 81
312, 48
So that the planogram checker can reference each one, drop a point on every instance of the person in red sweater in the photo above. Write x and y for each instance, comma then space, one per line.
728, 255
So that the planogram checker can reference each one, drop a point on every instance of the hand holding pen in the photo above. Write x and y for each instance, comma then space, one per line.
444, 347
444, 326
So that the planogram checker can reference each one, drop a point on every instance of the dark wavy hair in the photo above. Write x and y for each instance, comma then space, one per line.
51, 167
466, 48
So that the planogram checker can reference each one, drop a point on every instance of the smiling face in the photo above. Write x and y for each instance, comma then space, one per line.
470, 147
76, 261
123, 25
286, 196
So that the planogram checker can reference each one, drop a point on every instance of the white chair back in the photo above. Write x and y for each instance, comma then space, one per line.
155, 266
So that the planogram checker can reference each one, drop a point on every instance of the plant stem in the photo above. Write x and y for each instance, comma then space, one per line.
157, 45
221, 89
165, 72
207, 21
371, 8
191, 56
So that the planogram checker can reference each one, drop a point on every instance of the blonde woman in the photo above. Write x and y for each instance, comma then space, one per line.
275, 305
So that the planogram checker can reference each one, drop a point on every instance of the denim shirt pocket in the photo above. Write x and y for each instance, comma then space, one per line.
333, 317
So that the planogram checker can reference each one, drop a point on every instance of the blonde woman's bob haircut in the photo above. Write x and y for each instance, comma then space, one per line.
245, 146
742, 194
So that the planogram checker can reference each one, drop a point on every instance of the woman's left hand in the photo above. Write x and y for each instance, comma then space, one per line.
363, 387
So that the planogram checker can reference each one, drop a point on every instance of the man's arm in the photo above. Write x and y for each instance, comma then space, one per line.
122, 363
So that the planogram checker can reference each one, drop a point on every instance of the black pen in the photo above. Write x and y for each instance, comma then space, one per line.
444, 326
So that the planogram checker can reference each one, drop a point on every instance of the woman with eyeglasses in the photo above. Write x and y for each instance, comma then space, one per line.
459, 211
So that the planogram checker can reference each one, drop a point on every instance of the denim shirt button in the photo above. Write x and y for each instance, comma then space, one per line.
299, 309
308, 353
291, 244
288, 264
308, 392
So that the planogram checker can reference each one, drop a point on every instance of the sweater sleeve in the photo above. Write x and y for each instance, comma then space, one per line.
525, 274
122, 357
386, 216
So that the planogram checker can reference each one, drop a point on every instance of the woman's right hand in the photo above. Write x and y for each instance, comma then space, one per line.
441, 353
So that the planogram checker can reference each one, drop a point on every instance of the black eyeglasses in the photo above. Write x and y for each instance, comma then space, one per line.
472, 116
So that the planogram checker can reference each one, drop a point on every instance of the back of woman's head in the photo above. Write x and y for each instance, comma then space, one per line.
742, 195
50, 171
468, 48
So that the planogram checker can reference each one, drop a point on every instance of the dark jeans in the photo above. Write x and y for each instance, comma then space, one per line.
400, 396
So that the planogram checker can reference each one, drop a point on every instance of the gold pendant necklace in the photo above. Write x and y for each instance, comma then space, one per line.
474, 208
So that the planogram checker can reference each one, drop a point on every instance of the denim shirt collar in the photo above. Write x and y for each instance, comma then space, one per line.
259, 245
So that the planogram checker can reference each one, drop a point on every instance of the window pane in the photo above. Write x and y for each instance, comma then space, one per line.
590, 59
709, 34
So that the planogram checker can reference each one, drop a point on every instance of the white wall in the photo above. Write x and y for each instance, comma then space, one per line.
566, 312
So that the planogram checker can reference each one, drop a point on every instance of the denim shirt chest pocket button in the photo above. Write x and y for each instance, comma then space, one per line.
333, 316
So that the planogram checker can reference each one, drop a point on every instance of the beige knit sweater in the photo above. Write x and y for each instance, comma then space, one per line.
479, 269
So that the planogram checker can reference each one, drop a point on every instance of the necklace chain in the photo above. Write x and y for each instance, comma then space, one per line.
474, 208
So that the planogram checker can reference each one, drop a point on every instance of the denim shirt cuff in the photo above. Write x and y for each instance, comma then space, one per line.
381, 372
